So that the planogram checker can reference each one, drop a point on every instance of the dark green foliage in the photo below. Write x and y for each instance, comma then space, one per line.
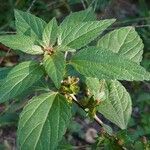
92, 71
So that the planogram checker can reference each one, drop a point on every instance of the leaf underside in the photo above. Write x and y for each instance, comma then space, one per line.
117, 106
124, 41
23, 43
43, 122
20, 78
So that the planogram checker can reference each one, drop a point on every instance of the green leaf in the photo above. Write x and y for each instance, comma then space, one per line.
4, 71
64, 48
70, 71
43, 122
97, 63
20, 78
124, 41
50, 33
8, 119
55, 67
26, 22
93, 86
108, 129
76, 17
40, 86
22, 43
117, 106
83, 33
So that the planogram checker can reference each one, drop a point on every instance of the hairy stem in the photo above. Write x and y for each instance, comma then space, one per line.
66, 53
97, 120
95, 117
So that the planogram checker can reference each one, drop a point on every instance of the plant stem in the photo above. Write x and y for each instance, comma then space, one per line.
95, 117
28, 10
66, 53
97, 120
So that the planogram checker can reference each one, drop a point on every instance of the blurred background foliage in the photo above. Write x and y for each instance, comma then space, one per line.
83, 133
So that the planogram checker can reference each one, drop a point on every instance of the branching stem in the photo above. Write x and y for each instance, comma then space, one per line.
95, 117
